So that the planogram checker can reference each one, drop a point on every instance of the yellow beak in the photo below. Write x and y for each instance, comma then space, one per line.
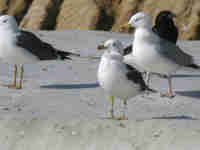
126, 27
100, 47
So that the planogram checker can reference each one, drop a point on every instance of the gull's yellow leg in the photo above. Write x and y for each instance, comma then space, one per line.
111, 98
13, 85
21, 77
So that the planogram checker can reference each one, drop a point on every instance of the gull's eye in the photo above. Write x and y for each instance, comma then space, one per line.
4, 21
137, 19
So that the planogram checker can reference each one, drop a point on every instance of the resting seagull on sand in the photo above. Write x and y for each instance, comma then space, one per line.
21, 47
117, 78
155, 54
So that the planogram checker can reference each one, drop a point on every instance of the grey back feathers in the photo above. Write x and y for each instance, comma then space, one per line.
175, 54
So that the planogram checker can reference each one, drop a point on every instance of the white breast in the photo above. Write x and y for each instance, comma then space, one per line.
146, 55
13, 54
112, 78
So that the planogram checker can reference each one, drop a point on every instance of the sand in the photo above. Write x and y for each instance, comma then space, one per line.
62, 106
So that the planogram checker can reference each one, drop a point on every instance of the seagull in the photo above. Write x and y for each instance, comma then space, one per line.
155, 54
165, 28
21, 47
117, 78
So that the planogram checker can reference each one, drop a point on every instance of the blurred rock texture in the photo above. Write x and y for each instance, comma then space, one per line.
106, 15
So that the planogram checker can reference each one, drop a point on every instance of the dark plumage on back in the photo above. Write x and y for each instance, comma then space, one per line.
165, 27
136, 77
37, 47
127, 50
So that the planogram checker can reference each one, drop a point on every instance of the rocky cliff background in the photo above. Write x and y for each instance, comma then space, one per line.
106, 15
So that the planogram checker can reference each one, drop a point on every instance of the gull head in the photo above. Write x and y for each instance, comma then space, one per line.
165, 16
112, 45
140, 19
8, 22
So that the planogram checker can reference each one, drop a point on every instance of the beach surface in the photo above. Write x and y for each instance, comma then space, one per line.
61, 105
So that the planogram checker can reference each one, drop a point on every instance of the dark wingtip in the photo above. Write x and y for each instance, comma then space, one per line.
68, 58
64, 57
194, 66
64, 53
74, 54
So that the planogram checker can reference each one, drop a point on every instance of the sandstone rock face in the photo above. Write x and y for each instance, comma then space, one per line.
78, 14
3, 6
16, 8
100, 14
41, 15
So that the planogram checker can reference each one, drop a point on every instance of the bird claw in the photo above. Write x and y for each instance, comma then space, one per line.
19, 87
123, 118
169, 95
12, 86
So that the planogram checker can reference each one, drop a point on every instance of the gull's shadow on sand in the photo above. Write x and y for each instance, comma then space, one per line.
186, 76
71, 86
193, 94
176, 118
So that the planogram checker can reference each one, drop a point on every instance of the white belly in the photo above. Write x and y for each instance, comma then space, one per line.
149, 59
115, 83
11, 54
146, 53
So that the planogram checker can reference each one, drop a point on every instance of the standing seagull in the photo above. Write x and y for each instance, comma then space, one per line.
21, 47
155, 54
117, 78
165, 28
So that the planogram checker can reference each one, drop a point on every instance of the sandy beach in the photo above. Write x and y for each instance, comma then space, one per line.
61, 105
